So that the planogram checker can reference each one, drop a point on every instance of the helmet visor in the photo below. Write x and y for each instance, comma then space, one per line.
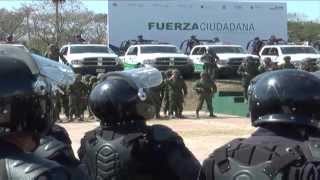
58, 73
145, 77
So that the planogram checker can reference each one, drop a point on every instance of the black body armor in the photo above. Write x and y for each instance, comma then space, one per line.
155, 152
264, 158
15, 165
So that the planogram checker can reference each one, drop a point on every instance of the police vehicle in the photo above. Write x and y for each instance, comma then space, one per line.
297, 53
160, 56
230, 57
91, 58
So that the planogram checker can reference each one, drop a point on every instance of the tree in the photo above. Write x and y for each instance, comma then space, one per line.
56, 3
303, 31
11, 24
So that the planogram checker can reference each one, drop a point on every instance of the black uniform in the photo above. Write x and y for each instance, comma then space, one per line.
284, 105
132, 152
124, 147
56, 146
26, 104
17, 165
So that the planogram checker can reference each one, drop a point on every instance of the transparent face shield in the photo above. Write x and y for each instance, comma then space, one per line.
58, 74
142, 78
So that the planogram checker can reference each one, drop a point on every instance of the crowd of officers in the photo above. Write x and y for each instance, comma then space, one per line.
284, 107
250, 68
72, 100
170, 95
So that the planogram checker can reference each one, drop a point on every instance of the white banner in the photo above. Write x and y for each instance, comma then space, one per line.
176, 21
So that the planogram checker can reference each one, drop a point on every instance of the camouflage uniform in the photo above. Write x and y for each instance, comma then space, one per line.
65, 101
205, 89
267, 66
58, 105
54, 54
92, 83
85, 95
157, 98
100, 77
287, 66
165, 92
210, 64
248, 70
309, 65
177, 91
76, 91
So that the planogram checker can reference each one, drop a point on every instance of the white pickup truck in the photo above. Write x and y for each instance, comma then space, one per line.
160, 56
91, 58
230, 57
296, 52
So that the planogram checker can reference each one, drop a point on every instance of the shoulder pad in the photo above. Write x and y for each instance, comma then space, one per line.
162, 133
60, 133
240, 171
49, 146
28, 166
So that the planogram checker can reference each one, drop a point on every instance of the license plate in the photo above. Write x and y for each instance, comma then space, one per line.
100, 70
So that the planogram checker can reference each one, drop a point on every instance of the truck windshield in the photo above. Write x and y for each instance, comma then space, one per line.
89, 49
158, 49
298, 50
225, 49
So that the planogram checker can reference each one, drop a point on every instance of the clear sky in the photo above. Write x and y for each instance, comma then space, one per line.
311, 8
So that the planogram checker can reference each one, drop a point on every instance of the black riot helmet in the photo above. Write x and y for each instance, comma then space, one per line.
123, 97
289, 97
26, 92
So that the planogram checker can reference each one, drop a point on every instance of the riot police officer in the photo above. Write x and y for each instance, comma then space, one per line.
25, 115
284, 106
124, 147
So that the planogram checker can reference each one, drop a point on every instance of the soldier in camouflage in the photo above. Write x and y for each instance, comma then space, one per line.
165, 92
84, 98
205, 89
287, 63
309, 64
248, 70
58, 105
54, 54
177, 91
64, 98
76, 91
209, 60
266, 66
92, 83
157, 99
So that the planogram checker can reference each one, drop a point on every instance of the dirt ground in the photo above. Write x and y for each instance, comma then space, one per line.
201, 136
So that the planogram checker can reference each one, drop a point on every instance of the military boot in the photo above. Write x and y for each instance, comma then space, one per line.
212, 115
197, 114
